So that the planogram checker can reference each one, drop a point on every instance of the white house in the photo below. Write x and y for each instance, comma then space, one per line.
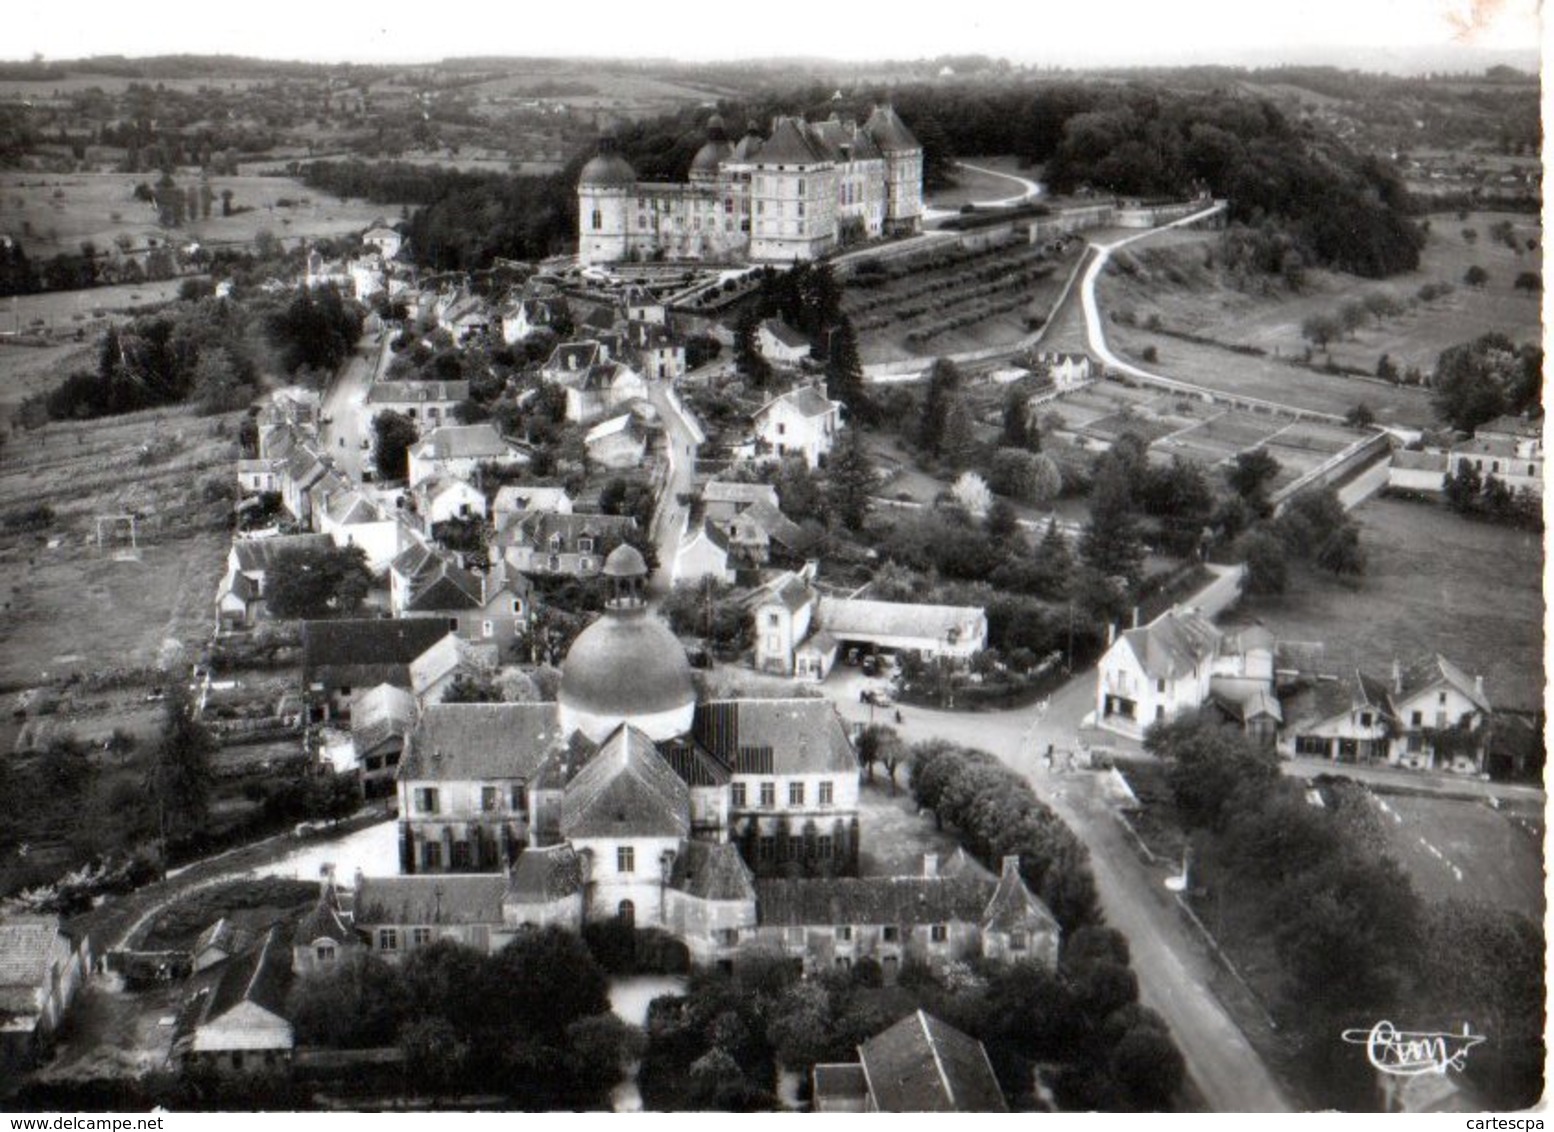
441, 498
803, 422
1346, 719
240, 594
1067, 371
522, 317
953, 632
602, 389
1430, 696
241, 1023
457, 450
616, 443
703, 553
780, 343
387, 241
435, 670
40, 973
782, 621
428, 403
1426, 470
1508, 448
1152, 674
514, 499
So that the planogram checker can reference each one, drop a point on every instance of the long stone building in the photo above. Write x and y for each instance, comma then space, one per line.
805, 190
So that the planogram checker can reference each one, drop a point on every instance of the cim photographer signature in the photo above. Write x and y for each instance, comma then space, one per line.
1410, 1053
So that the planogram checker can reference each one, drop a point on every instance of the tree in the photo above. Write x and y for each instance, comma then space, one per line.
1321, 329
1341, 553
393, 434
1351, 316
469, 688
1110, 543
943, 384
181, 774
1206, 764
358, 1003
1264, 555
850, 480
1250, 475
972, 493
1380, 305
958, 442
844, 369
797, 491
1019, 432
1529, 281
317, 329
1475, 276
1149, 1068
1002, 521
1030, 477
748, 358
700, 349
1476, 381
317, 582
435, 1054
1360, 416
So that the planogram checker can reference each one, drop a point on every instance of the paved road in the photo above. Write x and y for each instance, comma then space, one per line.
670, 516
1174, 970
348, 424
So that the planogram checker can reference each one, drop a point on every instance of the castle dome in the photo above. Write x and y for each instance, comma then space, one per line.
627, 667
608, 169
714, 151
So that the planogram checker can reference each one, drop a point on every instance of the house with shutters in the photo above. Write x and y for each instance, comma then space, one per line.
543, 542
801, 422
239, 1025
493, 607
429, 403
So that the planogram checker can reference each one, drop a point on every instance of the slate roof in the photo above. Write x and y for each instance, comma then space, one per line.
1013, 907
415, 392
26, 943
416, 559
352, 506
223, 935
789, 145
962, 864
443, 898
889, 131
1244, 699
808, 400
791, 592
796, 736
466, 742
722, 491
572, 357
325, 920
545, 874
452, 654
1324, 700
626, 790
1173, 645
522, 497
924, 1065
464, 442
605, 429
535, 528
777, 526
711, 871
694, 763
850, 617
365, 653
445, 586
784, 333
259, 975
829, 901
258, 555
1429, 671
1510, 425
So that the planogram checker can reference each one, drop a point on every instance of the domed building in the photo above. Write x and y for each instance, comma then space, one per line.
627, 667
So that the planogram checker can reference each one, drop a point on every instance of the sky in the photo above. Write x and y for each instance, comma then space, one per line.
1045, 32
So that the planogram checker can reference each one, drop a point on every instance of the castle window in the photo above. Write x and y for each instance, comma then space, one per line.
801, 208
844, 933
736, 795
768, 795
826, 793
625, 859
598, 219
795, 793
801, 191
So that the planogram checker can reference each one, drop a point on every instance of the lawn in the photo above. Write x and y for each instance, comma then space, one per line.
25, 370
974, 186
894, 835
252, 905
1434, 582
82, 313
1455, 848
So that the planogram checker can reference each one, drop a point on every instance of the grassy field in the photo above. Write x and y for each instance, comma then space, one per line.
54, 212
1173, 283
1434, 583
56, 313
25, 370
893, 834
67, 606
1455, 848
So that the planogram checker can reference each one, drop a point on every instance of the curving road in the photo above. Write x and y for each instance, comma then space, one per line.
669, 517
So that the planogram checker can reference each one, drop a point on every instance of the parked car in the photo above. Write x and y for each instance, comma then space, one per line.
871, 665
877, 697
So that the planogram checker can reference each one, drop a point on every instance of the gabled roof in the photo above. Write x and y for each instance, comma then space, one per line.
777, 526
924, 1065
796, 736
809, 401
524, 497
572, 356
1327, 699
415, 392
436, 485
445, 586
1430, 671
545, 874
791, 592
831, 901
535, 528
443, 898
606, 429
258, 555
1244, 699
449, 656
1013, 907
626, 790
706, 530
711, 871
26, 946
693, 762
784, 333
848, 617
380, 714
465, 442
325, 920
352, 506
467, 742
1173, 645
416, 559
259, 975
223, 935
365, 653
724, 491
1511, 425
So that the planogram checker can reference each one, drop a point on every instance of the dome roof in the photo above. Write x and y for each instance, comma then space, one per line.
608, 170
626, 664
710, 156
625, 561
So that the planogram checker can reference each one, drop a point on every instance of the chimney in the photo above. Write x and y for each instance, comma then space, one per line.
930, 864
1478, 685
1136, 616
1011, 866
1111, 634
1397, 677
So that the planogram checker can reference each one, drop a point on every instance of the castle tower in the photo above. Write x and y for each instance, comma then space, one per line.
903, 170
604, 189
708, 162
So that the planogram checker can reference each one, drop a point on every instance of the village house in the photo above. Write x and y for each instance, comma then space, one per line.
323, 936
722, 500
783, 614
239, 1025
569, 361
495, 607
1153, 674
654, 351
514, 499
429, 403
639, 305
1346, 719
703, 553
302, 473
521, 317
920, 1064
618, 443
442, 498
255, 477
344, 658
435, 671
41, 970
458, 451
762, 534
1068, 371
218, 943
240, 593
780, 344
602, 389
802, 422
400, 914
466, 318
352, 518
1508, 448
386, 240
544, 542
1424, 470
381, 717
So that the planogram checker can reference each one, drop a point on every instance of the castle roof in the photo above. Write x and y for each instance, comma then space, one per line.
889, 131
454, 742
789, 145
626, 664
795, 736
711, 871
626, 790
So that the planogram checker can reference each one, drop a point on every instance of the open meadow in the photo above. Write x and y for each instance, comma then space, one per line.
1455, 848
1434, 582
52, 213
28, 369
